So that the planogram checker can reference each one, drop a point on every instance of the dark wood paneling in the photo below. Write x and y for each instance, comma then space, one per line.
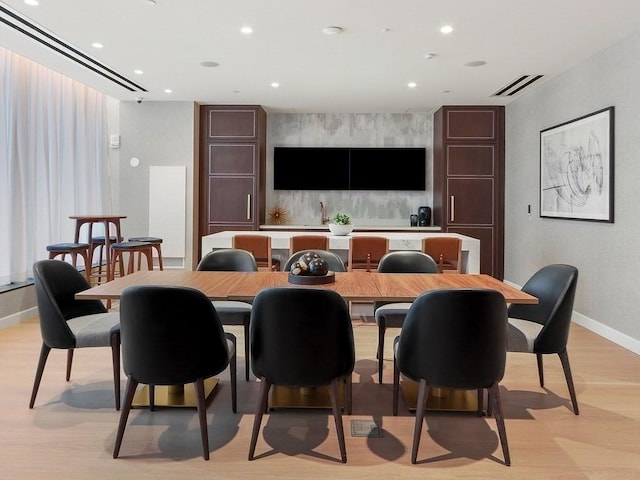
470, 160
232, 159
225, 123
471, 201
487, 245
471, 123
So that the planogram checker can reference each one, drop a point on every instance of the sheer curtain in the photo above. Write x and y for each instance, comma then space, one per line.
54, 161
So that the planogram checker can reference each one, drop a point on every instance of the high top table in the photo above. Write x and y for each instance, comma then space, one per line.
107, 221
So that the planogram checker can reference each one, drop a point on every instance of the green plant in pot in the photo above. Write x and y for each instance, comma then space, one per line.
341, 224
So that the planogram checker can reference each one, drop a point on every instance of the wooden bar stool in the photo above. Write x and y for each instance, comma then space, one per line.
298, 243
260, 248
131, 248
365, 252
446, 251
73, 249
98, 243
155, 242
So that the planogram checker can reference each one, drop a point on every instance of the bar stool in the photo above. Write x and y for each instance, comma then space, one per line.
73, 249
260, 248
132, 248
365, 252
98, 243
155, 243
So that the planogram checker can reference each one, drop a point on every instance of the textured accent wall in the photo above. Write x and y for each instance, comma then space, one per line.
349, 130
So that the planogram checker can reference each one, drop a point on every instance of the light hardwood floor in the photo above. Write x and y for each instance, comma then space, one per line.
70, 432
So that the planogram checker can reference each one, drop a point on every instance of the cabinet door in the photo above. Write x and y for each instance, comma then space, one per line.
470, 201
237, 123
232, 201
231, 159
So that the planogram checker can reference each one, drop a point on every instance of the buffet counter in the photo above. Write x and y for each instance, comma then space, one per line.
398, 240
358, 228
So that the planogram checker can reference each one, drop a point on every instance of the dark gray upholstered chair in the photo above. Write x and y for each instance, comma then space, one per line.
453, 338
172, 336
334, 261
232, 312
391, 314
67, 323
544, 328
301, 337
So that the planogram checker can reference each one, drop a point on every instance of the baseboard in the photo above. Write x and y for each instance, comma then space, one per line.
18, 317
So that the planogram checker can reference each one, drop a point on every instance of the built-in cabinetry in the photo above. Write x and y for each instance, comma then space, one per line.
232, 167
468, 178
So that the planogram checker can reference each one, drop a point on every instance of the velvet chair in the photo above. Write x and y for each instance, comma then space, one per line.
301, 337
172, 336
453, 338
67, 323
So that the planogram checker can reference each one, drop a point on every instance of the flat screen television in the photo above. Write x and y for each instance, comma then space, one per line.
336, 168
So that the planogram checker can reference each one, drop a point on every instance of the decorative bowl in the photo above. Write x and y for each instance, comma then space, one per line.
342, 230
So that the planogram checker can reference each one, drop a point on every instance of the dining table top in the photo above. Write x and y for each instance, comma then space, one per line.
352, 286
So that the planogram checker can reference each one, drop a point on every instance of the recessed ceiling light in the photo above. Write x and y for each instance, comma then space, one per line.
331, 30
446, 29
275, 84
33, 3
209, 63
168, 90
97, 45
412, 84
475, 63
246, 30
429, 56
138, 72
150, 2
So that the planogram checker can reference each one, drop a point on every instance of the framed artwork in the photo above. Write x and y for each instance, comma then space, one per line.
576, 168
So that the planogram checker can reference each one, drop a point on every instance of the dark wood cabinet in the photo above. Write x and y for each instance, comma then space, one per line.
468, 178
232, 167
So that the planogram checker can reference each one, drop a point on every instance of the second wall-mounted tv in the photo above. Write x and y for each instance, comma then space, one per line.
331, 168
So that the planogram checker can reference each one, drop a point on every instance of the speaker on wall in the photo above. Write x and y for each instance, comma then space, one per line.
424, 216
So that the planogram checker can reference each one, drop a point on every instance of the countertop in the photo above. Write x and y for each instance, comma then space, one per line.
356, 228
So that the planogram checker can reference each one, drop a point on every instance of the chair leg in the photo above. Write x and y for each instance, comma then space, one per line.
494, 398
233, 374
69, 363
124, 414
564, 359
152, 397
202, 416
159, 250
247, 360
337, 415
396, 386
381, 331
265, 385
540, 369
115, 356
44, 353
421, 404
349, 394
480, 394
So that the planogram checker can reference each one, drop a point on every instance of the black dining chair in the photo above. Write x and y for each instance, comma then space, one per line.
392, 314
172, 336
232, 312
333, 260
543, 328
301, 337
453, 338
67, 323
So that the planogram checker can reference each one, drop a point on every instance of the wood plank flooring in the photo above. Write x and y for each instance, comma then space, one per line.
70, 432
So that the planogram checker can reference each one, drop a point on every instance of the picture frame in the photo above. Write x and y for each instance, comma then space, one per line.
576, 168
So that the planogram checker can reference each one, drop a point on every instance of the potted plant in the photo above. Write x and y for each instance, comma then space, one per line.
341, 224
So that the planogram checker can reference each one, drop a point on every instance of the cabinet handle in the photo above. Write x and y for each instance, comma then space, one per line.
248, 206
453, 208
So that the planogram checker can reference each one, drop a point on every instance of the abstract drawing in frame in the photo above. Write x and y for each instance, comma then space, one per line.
576, 168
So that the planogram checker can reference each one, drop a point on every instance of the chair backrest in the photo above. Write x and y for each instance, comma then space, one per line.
299, 243
228, 260
555, 287
333, 260
170, 335
455, 338
301, 336
258, 245
405, 261
56, 284
366, 251
446, 251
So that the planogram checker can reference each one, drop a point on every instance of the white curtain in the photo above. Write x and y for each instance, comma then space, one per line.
54, 161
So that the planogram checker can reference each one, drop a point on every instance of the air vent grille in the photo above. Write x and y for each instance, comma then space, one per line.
517, 85
37, 33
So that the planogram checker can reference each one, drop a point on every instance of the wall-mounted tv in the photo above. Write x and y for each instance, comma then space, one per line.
333, 168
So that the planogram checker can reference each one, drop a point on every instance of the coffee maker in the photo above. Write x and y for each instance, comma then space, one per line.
424, 216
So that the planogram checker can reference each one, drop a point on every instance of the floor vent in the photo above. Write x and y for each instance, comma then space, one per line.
365, 428
39, 34
517, 85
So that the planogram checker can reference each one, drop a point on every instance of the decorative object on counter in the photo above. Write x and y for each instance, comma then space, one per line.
310, 269
413, 220
277, 216
341, 224
424, 216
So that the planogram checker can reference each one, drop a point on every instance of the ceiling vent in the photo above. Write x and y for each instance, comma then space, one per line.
37, 33
517, 85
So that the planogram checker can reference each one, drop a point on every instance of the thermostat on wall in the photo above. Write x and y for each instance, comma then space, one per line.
114, 141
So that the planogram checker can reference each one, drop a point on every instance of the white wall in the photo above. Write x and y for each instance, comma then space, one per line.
605, 254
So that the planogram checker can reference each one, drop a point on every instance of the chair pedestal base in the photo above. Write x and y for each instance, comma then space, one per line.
441, 399
307, 397
177, 396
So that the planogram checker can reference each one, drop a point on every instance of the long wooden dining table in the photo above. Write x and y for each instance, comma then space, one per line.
352, 286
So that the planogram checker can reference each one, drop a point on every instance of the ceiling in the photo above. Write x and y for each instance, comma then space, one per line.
366, 68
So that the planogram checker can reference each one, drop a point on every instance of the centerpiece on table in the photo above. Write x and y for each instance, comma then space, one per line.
341, 224
310, 269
